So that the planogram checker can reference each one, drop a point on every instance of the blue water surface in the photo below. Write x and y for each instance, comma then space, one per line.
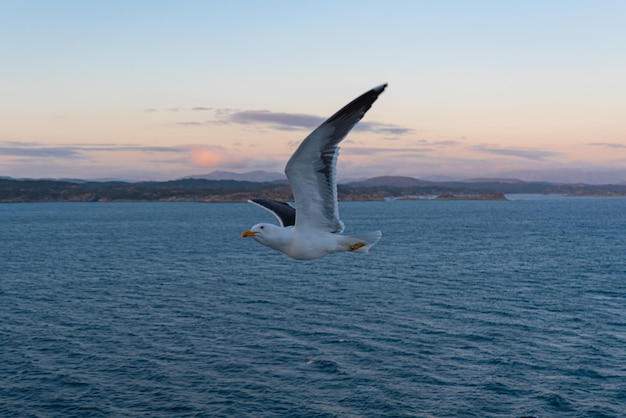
464, 308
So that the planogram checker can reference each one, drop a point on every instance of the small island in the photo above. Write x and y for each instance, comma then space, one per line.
480, 196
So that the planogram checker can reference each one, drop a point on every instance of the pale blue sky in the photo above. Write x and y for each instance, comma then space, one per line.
476, 88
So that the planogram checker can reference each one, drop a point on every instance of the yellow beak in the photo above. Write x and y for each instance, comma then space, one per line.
247, 234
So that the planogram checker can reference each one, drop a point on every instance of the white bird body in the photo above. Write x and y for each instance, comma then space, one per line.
310, 244
313, 229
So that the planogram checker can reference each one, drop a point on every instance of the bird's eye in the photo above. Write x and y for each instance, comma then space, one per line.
262, 227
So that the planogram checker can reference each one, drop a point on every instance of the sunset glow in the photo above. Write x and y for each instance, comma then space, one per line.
160, 90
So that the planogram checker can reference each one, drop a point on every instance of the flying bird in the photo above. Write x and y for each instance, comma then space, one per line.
313, 229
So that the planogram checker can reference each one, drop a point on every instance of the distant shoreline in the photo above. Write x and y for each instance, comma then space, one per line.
199, 190
484, 198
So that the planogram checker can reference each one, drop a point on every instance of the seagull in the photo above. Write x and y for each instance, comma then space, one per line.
313, 229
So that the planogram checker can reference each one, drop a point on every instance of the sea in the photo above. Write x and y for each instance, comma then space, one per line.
464, 309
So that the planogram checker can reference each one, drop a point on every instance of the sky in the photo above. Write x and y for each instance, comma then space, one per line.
159, 90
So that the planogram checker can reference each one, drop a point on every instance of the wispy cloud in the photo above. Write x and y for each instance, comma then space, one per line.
383, 128
441, 144
529, 154
140, 148
71, 151
179, 109
300, 121
192, 123
28, 159
283, 121
377, 150
39, 152
608, 144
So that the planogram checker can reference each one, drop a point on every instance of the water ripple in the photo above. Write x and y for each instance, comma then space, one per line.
500, 309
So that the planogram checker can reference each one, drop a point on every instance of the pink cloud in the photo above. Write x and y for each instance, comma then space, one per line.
205, 157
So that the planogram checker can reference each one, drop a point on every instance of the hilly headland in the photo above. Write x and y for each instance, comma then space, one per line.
228, 190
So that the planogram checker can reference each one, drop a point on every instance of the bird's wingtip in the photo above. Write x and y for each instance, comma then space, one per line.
380, 88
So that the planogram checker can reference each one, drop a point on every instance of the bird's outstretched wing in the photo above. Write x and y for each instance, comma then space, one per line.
311, 169
285, 213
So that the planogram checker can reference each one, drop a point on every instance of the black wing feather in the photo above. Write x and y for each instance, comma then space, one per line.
285, 213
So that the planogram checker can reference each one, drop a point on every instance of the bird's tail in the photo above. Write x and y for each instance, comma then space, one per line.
360, 243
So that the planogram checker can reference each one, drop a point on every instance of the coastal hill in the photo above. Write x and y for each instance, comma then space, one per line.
202, 190
255, 176
392, 181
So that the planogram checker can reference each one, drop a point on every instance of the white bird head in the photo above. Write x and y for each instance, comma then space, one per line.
263, 233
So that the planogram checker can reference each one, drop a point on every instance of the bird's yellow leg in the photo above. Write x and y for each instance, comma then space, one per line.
354, 247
